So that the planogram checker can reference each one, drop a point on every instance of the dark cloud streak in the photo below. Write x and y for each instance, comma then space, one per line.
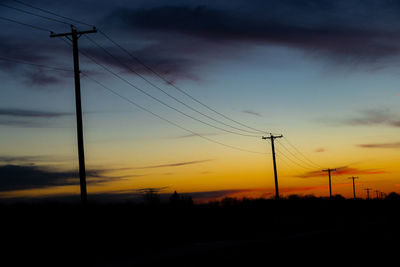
380, 145
15, 112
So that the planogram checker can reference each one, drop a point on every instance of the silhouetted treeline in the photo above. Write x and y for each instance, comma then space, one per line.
229, 231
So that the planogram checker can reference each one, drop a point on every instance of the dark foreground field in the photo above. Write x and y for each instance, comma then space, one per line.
303, 232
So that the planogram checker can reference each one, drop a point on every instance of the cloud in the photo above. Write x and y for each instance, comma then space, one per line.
195, 135
20, 177
319, 150
21, 124
343, 171
338, 28
15, 112
28, 118
39, 77
247, 111
380, 145
370, 117
31, 159
16, 177
177, 164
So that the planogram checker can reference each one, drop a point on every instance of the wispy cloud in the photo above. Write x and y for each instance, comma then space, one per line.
28, 118
380, 145
343, 171
195, 135
319, 150
251, 112
336, 29
15, 112
31, 176
177, 164
31, 159
370, 117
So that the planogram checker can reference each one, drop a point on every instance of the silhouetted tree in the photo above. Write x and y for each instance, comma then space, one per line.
174, 199
338, 197
229, 202
177, 200
393, 196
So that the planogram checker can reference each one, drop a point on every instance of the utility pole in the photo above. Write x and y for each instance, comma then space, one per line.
330, 185
354, 186
75, 34
367, 189
272, 138
377, 193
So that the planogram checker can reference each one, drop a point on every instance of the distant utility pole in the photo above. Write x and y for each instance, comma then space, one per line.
354, 186
272, 138
367, 189
330, 185
82, 171
377, 193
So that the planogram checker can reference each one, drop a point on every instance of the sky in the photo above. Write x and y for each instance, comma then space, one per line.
176, 96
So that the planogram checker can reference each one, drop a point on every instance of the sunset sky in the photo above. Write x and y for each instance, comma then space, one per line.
325, 74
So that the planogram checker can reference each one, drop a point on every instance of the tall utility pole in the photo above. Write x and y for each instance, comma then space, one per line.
272, 138
367, 189
377, 193
330, 184
354, 186
75, 34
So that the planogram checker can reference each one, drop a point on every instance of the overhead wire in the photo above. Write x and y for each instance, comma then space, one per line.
157, 99
36, 65
135, 104
294, 162
294, 155
26, 24
167, 120
52, 13
150, 69
34, 14
143, 64
163, 91
175, 86
306, 158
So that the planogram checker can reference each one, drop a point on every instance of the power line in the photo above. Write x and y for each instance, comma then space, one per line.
158, 100
294, 162
136, 59
175, 86
143, 64
294, 156
35, 65
306, 158
52, 13
168, 121
34, 14
163, 91
26, 24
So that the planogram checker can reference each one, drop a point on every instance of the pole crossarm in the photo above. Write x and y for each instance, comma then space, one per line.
52, 34
272, 137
